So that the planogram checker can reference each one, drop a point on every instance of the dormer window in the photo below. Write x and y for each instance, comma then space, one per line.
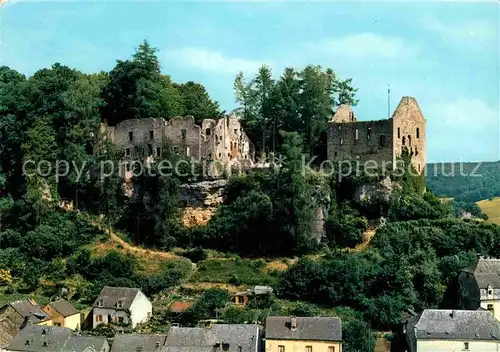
490, 290
99, 303
119, 304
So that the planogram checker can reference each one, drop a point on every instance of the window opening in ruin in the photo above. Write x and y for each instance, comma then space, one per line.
235, 131
183, 134
357, 134
158, 151
399, 132
382, 141
369, 133
150, 149
136, 151
341, 141
127, 151
404, 140
335, 153
151, 134
416, 151
418, 167
187, 151
409, 141
418, 132
220, 155
131, 136
208, 132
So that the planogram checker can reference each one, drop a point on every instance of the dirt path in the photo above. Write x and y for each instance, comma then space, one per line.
367, 239
118, 240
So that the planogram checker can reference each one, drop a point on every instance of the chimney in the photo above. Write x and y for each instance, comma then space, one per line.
293, 323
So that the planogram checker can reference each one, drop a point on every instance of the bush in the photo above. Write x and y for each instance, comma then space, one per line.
196, 254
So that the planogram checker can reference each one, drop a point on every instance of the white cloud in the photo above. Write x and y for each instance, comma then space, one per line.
464, 127
365, 46
213, 61
471, 34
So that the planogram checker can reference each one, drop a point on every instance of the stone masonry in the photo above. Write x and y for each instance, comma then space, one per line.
380, 141
222, 140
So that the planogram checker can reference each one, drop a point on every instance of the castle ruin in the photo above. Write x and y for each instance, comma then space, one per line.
222, 140
382, 141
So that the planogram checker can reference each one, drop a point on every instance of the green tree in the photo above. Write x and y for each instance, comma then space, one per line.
197, 102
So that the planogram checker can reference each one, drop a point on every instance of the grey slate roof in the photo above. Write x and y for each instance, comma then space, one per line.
246, 336
308, 328
455, 325
486, 272
35, 338
111, 295
131, 342
30, 310
64, 308
80, 343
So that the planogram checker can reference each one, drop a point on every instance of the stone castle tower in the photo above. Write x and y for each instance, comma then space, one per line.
381, 141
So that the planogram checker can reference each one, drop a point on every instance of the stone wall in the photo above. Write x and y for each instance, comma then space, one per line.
184, 136
409, 132
381, 141
138, 137
360, 141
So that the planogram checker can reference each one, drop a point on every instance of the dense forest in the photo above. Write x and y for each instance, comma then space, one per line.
412, 261
465, 182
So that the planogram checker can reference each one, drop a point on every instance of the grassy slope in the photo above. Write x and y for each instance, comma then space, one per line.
492, 209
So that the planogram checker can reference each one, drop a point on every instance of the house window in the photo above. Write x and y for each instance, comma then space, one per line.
119, 304
281, 348
399, 132
357, 134
131, 136
151, 134
418, 132
341, 141
309, 348
120, 319
99, 303
235, 131
368, 133
331, 349
127, 151
158, 151
57, 324
490, 290
490, 307
208, 132
187, 151
225, 347
100, 318
183, 134
466, 346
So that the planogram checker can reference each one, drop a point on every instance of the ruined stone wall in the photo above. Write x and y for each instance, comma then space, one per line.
184, 136
139, 137
409, 132
360, 141
211, 137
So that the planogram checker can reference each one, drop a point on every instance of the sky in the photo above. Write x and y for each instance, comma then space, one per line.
445, 54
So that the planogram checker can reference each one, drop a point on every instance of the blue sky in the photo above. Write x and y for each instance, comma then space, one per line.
444, 54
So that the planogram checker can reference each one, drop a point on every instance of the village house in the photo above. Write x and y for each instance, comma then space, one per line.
480, 286
436, 330
241, 298
121, 306
138, 342
16, 315
217, 337
37, 338
303, 334
63, 314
